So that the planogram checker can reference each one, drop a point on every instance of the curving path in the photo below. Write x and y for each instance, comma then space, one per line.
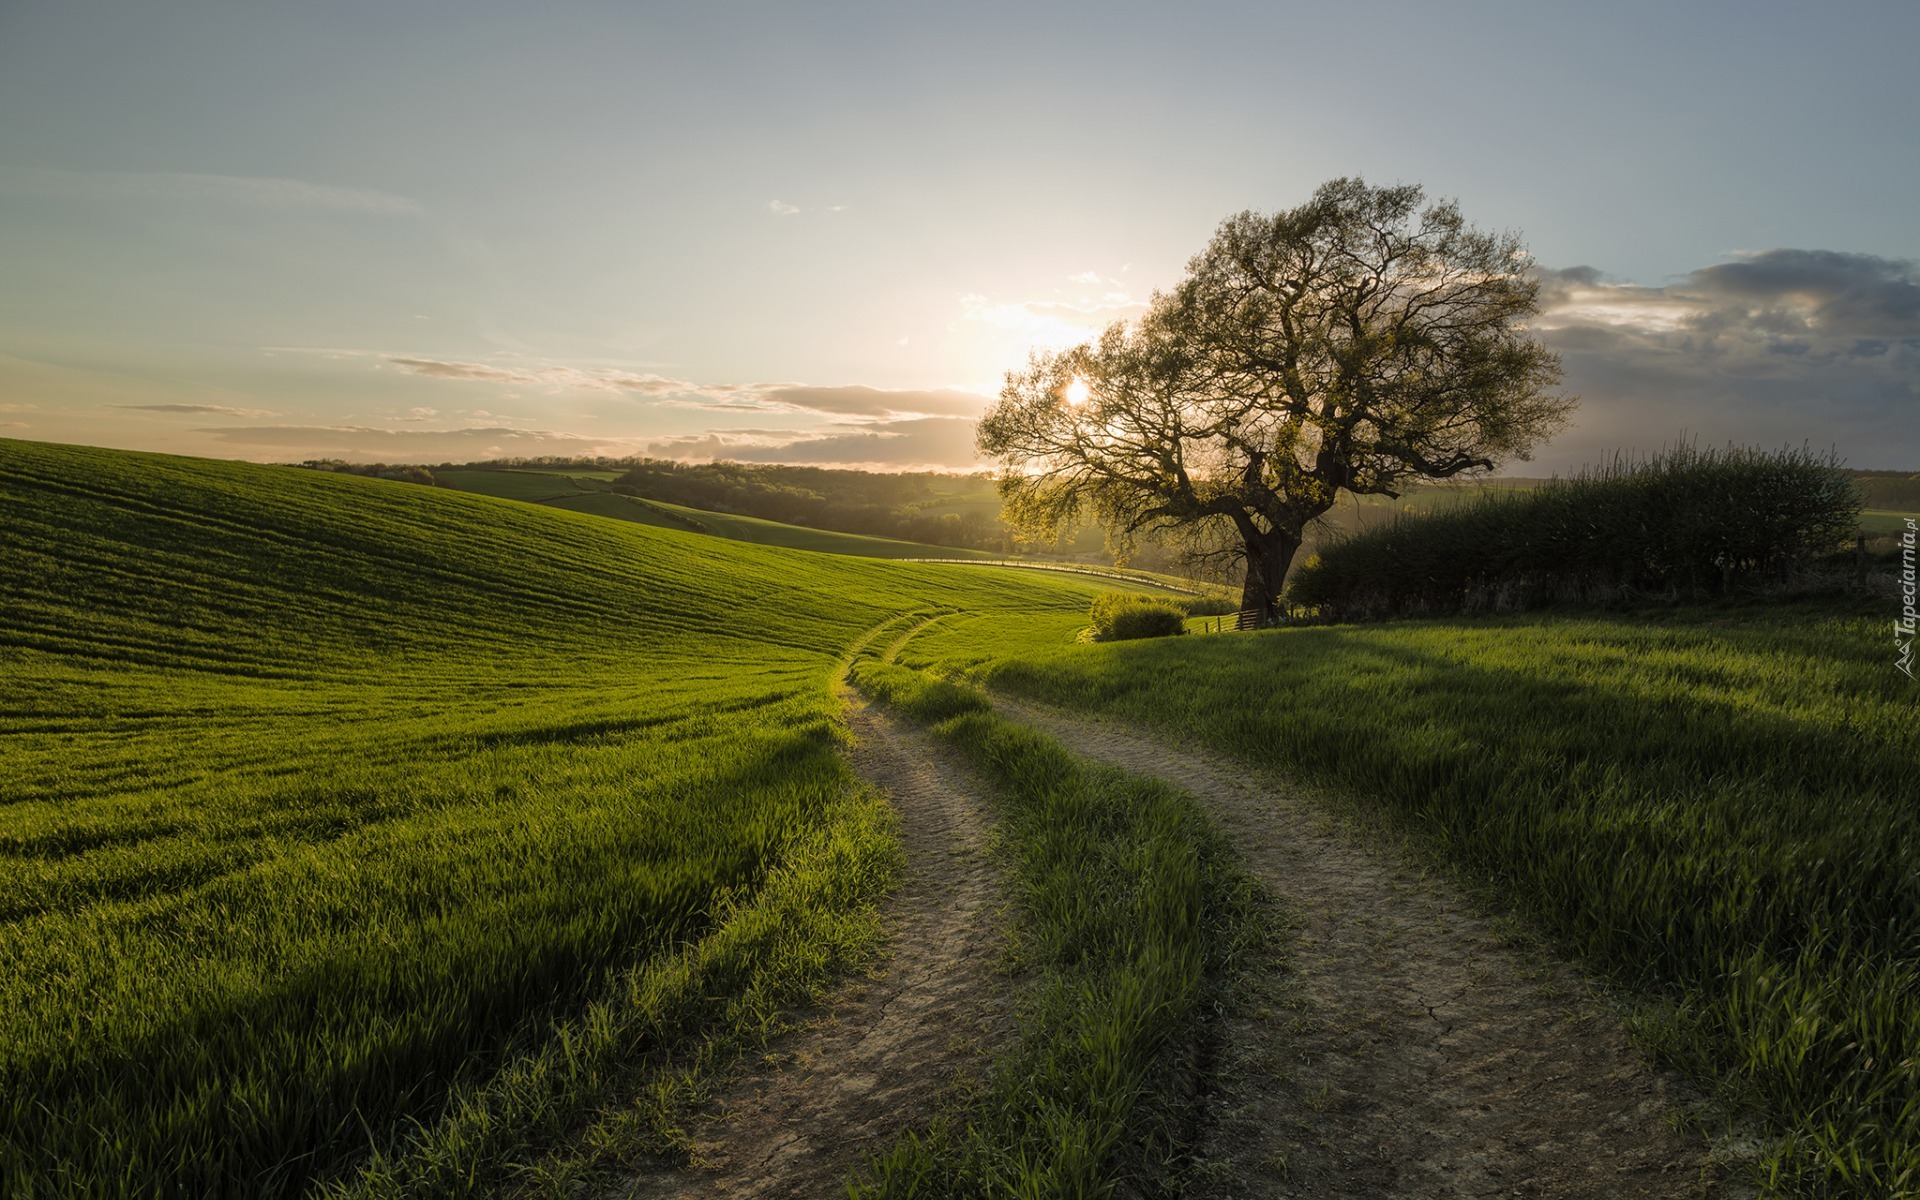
887, 1048
1408, 1052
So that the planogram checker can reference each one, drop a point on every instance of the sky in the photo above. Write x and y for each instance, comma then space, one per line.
434, 231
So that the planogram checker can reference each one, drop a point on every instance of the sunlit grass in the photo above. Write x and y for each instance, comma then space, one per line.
1129, 916
372, 833
1714, 806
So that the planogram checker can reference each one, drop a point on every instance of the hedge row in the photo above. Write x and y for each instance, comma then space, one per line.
1686, 522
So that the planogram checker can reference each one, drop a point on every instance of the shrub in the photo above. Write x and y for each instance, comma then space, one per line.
1686, 522
1211, 606
1123, 616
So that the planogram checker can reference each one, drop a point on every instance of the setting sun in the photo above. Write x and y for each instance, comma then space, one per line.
1077, 392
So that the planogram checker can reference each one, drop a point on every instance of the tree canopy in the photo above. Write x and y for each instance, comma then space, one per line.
1354, 343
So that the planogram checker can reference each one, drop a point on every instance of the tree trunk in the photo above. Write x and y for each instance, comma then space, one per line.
1269, 554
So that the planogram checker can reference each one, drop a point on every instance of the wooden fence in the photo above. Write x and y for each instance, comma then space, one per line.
1246, 618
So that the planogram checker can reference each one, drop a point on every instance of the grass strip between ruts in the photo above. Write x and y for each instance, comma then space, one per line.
1129, 914
1713, 806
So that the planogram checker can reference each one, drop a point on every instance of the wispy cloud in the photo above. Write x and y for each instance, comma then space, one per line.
854, 401
780, 208
1062, 317
370, 443
1055, 321
929, 443
549, 375
921, 444
247, 190
913, 443
199, 409
438, 369
938, 443
876, 402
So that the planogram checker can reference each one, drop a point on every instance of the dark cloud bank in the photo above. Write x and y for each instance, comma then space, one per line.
1776, 348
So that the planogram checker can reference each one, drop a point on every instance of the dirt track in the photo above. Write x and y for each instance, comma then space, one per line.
1409, 1052
884, 1051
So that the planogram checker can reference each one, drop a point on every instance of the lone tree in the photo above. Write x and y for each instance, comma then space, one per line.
1355, 342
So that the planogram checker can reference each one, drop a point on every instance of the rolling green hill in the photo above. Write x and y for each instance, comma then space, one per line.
533, 486
365, 833
753, 529
586, 492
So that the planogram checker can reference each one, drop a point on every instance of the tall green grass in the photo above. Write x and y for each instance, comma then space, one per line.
1684, 522
366, 834
1714, 806
1129, 914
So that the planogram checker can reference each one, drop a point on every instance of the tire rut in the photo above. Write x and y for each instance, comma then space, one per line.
885, 1049
1408, 1051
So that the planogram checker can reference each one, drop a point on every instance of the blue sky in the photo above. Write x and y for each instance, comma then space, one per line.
432, 231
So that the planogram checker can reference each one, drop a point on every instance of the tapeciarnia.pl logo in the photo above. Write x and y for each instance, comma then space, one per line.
1903, 625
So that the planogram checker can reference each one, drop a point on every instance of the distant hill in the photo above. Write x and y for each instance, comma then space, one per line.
332, 801
1889, 491
959, 512
595, 493
913, 515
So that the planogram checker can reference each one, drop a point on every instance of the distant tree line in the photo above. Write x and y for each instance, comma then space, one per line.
867, 502
896, 505
891, 505
1898, 491
404, 472
1687, 522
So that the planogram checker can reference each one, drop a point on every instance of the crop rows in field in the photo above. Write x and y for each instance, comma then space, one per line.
344, 818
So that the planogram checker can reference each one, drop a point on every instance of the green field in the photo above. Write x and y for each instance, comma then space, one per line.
1714, 807
626, 508
585, 475
363, 838
586, 492
373, 835
798, 537
533, 486
1877, 521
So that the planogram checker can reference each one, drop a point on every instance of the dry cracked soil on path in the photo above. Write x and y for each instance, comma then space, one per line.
882, 1052
1409, 1050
